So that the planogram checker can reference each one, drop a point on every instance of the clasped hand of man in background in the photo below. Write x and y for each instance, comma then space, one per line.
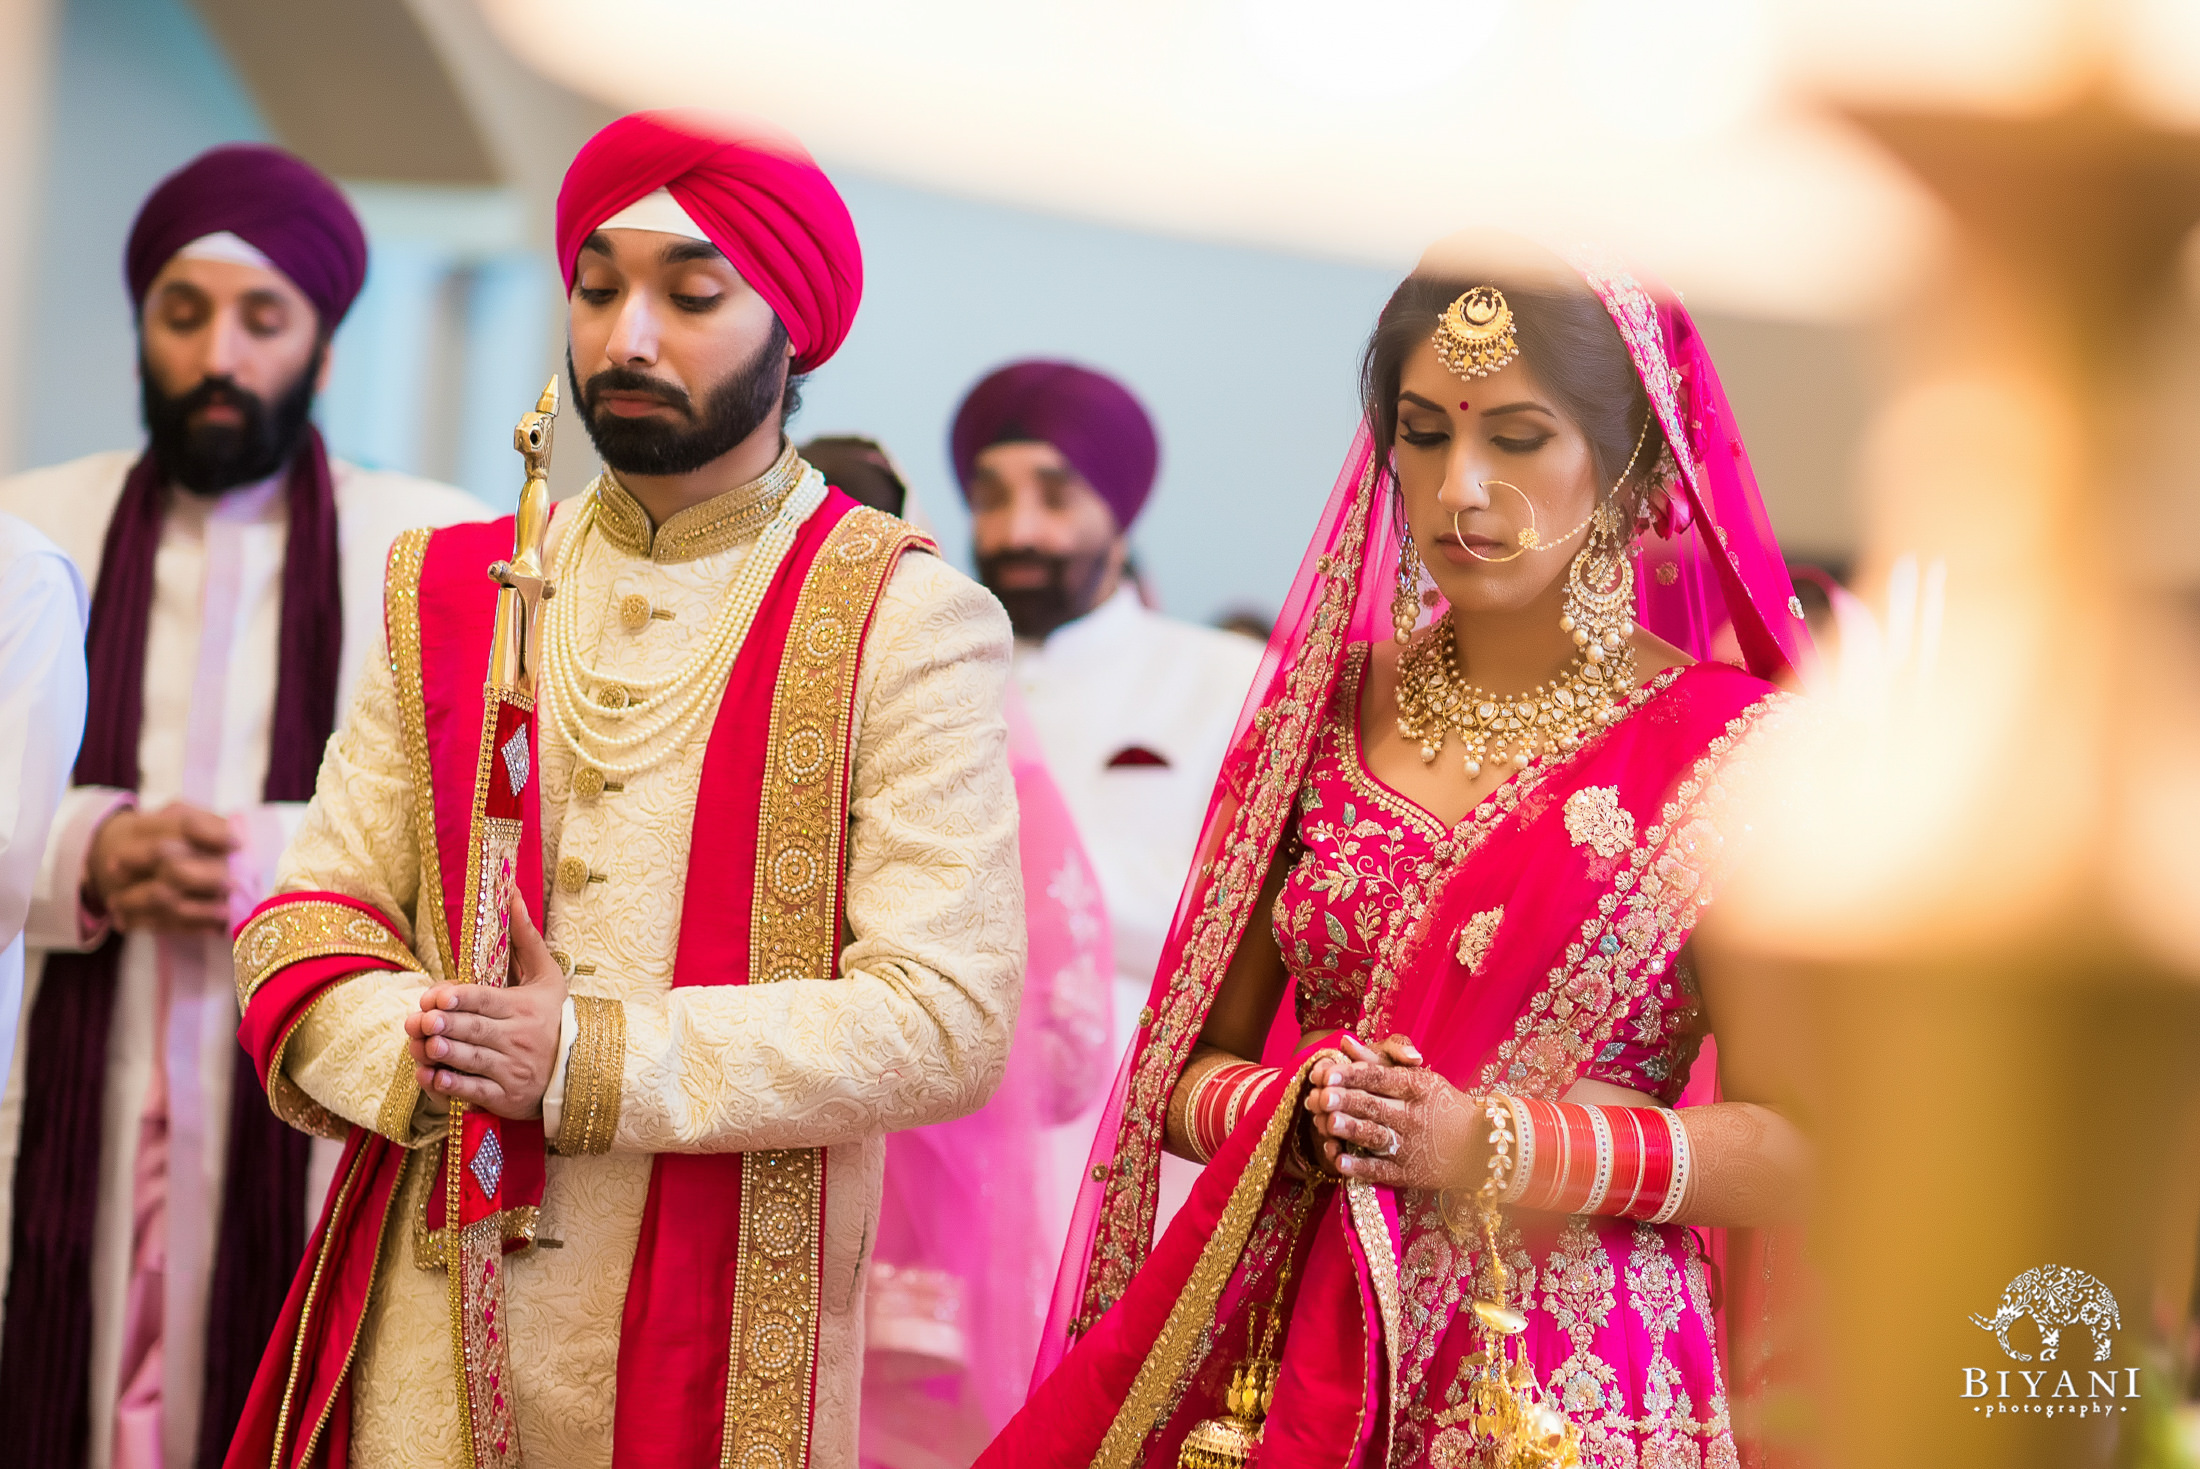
164, 871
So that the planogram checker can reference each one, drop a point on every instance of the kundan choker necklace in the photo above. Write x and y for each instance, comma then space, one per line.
1435, 703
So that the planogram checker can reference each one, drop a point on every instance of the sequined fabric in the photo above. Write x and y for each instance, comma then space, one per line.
1620, 1324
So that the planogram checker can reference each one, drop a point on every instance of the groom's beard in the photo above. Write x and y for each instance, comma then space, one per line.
211, 458
734, 408
1069, 589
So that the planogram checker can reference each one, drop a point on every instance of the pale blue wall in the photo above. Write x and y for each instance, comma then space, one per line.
138, 88
1245, 359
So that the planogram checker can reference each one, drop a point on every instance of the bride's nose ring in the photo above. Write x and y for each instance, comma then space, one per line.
1527, 537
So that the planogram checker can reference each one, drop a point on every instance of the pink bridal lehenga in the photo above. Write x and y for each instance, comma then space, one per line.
1540, 941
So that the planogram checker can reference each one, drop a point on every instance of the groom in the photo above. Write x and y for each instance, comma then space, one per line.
768, 834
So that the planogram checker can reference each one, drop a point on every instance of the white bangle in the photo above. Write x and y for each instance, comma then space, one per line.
1676, 1191
1600, 1127
1523, 1151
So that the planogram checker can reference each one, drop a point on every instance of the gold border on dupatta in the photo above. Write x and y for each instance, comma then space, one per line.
1176, 1349
1640, 925
401, 614
794, 934
305, 1319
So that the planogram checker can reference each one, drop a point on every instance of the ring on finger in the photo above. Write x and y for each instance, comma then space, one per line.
1395, 1140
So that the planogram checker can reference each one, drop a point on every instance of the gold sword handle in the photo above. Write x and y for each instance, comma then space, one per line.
523, 587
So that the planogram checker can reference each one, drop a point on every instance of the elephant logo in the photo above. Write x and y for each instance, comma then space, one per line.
2055, 1296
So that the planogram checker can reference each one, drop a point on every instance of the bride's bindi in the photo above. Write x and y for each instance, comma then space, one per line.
1464, 405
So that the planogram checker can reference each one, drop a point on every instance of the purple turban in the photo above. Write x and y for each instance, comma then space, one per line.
1092, 419
275, 202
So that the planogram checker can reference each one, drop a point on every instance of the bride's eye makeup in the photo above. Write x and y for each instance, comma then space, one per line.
1521, 444
1422, 438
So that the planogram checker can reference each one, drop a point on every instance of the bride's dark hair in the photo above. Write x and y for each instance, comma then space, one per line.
1566, 338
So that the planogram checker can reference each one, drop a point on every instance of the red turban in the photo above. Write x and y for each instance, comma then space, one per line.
763, 202
279, 204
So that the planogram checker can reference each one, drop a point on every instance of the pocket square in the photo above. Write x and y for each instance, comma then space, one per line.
1135, 755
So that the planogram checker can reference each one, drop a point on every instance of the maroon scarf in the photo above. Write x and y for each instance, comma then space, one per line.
45, 1348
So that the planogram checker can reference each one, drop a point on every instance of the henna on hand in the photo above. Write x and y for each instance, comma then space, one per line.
1751, 1166
1390, 1121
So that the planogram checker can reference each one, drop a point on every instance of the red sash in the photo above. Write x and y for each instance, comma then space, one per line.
745, 917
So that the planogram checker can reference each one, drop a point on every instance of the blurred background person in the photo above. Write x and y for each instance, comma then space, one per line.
968, 1233
1132, 709
863, 469
158, 1209
42, 612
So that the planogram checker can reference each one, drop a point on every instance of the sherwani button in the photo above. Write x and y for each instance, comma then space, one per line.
634, 610
614, 696
572, 874
588, 782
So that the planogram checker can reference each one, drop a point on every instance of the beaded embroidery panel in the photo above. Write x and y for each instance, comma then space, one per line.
794, 934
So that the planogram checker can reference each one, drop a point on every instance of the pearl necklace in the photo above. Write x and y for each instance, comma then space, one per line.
1553, 718
620, 727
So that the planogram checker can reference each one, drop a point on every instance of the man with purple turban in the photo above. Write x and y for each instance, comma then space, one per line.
158, 1208
765, 903
1133, 709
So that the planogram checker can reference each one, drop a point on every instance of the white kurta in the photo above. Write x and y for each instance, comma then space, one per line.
1124, 679
43, 607
210, 669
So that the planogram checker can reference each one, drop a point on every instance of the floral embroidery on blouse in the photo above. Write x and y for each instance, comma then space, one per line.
1359, 844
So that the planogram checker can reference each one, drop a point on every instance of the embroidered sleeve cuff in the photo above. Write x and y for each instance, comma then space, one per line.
594, 1076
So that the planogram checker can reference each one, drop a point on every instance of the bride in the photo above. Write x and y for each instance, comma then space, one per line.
1474, 811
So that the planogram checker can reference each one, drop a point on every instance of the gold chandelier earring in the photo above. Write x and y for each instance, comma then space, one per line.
1405, 604
1599, 608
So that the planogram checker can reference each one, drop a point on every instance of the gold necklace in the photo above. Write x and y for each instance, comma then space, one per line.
1435, 703
620, 727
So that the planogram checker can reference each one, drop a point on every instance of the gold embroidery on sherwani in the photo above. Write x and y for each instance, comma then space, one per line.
595, 1074
795, 933
294, 932
401, 613
718, 524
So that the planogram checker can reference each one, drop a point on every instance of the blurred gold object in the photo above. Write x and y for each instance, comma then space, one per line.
1475, 337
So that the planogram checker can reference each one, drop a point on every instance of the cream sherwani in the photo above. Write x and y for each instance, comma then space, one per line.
914, 1029
210, 668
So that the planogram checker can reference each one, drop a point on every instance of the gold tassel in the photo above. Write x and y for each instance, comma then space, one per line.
1229, 1442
